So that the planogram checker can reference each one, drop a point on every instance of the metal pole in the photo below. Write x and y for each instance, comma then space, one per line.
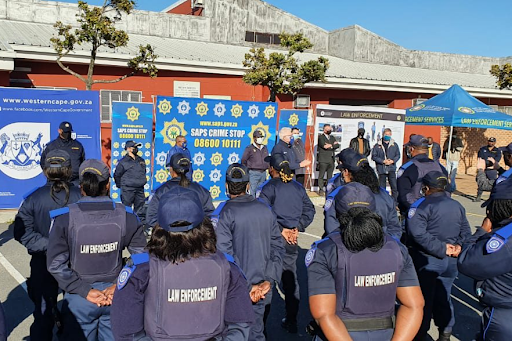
449, 146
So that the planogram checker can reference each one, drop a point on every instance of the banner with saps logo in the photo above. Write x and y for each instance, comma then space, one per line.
132, 121
217, 132
29, 119
294, 119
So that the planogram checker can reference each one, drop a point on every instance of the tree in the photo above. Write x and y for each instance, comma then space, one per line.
503, 75
280, 72
97, 29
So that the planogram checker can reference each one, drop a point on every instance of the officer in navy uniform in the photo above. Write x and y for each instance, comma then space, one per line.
130, 177
334, 182
411, 173
66, 143
355, 169
437, 227
183, 288
179, 168
355, 274
32, 228
247, 229
85, 253
486, 259
295, 212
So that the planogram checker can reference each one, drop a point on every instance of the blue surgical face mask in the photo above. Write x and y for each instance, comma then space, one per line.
387, 138
292, 140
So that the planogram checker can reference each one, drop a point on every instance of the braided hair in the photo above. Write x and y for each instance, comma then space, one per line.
237, 188
59, 176
499, 210
285, 172
362, 230
366, 176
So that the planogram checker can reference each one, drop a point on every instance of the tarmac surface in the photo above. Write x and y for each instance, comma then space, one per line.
14, 269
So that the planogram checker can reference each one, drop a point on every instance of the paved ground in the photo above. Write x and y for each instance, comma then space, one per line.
14, 269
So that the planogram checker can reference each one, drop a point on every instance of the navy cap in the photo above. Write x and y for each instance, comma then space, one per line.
502, 190
351, 160
57, 158
66, 127
96, 167
258, 133
507, 149
352, 195
131, 143
435, 179
418, 141
180, 204
180, 161
277, 160
239, 167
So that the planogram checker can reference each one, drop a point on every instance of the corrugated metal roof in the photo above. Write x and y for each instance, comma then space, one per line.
31, 34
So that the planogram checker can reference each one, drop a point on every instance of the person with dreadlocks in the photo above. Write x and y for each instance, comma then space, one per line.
179, 168
248, 230
355, 168
32, 227
355, 275
486, 258
295, 212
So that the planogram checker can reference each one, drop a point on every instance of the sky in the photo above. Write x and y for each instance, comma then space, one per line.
474, 27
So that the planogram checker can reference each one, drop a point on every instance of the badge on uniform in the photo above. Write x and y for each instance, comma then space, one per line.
124, 276
309, 256
494, 244
412, 212
328, 204
399, 173
215, 221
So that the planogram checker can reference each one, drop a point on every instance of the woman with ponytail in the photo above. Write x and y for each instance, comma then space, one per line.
32, 228
295, 212
85, 253
180, 166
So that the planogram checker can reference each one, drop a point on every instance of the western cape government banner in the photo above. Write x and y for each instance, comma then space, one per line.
346, 120
217, 132
29, 119
132, 121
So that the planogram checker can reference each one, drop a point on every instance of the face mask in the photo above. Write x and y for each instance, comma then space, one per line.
430, 145
360, 135
328, 132
135, 151
387, 138
66, 136
184, 145
227, 194
408, 152
259, 140
296, 136
423, 191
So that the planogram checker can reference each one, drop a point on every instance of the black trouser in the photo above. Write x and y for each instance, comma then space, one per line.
133, 196
289, 281
43, 290
324, 167
300, 178
391, 177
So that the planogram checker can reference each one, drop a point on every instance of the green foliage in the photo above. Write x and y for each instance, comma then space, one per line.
503, 75
281, 72
96, 28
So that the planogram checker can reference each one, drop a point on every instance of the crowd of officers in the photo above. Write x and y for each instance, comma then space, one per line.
209, 273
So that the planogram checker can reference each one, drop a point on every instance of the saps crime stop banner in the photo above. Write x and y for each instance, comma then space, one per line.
132, 121
217, 132
29, 120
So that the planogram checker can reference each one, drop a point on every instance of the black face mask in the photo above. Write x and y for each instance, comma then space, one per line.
135, 151
328, 132
66, 136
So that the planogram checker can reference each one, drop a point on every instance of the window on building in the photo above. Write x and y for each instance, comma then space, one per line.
262, 38
109, 96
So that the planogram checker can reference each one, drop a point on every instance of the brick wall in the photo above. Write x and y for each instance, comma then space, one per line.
474, 139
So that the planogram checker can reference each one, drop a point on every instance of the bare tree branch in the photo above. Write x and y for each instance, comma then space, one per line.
114, 80
68, 70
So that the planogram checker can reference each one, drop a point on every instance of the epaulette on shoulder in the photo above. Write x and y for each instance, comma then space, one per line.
129, 209
58, 212
215, 216
310, 255
330, 198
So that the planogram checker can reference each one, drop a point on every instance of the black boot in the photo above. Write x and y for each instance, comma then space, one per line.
444, 336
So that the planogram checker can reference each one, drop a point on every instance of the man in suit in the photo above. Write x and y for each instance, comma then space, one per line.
327, 144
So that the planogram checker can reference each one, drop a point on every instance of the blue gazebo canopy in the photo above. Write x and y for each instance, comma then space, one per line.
457, 108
